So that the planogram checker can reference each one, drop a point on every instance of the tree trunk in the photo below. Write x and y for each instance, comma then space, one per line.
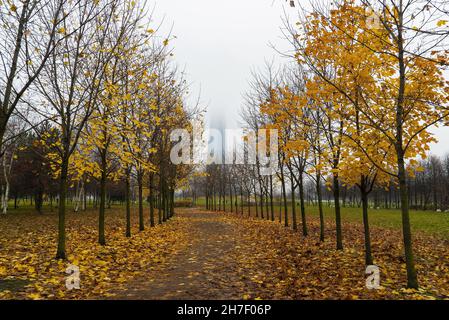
267, 198
160, 204
320, 205
140, 196
6, 198
128, 204
61, 253
280, 208
295, 226
230, 194
364, 195
172, 202
163, 202
151, 198
101, 236
284, 195
241, 201
255, 200
84, 196
271, 198
261, 199
248, 196
412, 278
6, 174
337, 212
303, 207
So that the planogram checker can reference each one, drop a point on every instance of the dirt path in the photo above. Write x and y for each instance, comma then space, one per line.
232, 257
205, 270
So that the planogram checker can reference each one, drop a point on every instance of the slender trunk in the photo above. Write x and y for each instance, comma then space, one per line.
271, 198
128, 203
84, 196
101, 236
364, 195
219, 199
280, 208
140, 187
159, 211
224, 197
78, 196
255, 200
261, 199
163, 202
337, 212
61, 252
241, 201
267, 198
303, 207
172, 202
320, 205
248, 203
151, 198
295, 226
167, 203
412, 278
6, 174
230, 194
284, 195
6, 197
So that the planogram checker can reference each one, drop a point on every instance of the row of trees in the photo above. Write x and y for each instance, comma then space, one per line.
353, 112
89, 94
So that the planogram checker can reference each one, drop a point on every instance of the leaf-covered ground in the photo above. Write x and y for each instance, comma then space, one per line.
28, 269
205, 255
285, 265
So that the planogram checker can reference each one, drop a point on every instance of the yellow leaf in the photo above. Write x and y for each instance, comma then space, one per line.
34, 296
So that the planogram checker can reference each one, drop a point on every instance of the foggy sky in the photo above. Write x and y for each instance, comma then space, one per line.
220, 41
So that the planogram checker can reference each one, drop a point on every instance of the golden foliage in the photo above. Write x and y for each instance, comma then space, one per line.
28, 254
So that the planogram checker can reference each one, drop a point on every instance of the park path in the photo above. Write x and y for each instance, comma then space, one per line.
204, 270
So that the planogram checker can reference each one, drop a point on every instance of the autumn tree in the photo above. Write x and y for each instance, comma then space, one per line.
70, 85
403, 96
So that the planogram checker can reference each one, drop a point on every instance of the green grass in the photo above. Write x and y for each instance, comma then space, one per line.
429, 222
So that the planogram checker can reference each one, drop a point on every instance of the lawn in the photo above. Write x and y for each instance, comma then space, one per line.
429, 222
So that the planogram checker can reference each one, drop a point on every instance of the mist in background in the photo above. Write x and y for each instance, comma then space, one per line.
219, 42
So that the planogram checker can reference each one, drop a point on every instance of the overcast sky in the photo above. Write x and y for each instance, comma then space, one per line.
220, 41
